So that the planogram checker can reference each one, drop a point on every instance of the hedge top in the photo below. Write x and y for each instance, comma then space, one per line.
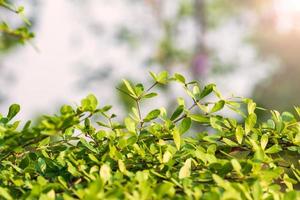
191, 152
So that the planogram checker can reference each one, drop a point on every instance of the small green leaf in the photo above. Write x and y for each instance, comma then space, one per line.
207, 90
251, 106
154, 76
185, 125
130, 124
177, 112
264, 141
180, 78
152, 115
230, 142
14, 109
239, 134
129, 88
150, 95
196, 91
122, 166
89, 103
176, 138
218, 106
274, 149
185, 170
88, 145
5, 194
41, 165
162, 77
105, 172
167, 157
199, 118
236, 166
250, 122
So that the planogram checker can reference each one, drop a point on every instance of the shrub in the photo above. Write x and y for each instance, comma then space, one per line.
192, 152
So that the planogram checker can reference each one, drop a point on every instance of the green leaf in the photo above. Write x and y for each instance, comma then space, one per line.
199, 118
185, 170
179, 78
154, 76
130, 124
129, 88
105, 172
274, 149
162, 77
251, 106
230, 142
218, 106
177, 112
250, 122
239, 134
176, 138
152, 115
257, 191
41, 165
236, 166
264, 141
167, 157
185, 125
150, 95
14, 109
122, 166
89, 103
207, 90
5, 194
196, 92
88, 145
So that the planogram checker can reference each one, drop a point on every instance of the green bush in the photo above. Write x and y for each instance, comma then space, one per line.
191, 152
10, 35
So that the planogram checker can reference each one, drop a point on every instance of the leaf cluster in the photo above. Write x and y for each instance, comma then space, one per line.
9, 35
191, 152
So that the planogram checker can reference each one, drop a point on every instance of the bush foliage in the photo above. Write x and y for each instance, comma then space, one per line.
191, 152
9, 34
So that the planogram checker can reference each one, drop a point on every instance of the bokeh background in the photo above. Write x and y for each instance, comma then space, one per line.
248, 48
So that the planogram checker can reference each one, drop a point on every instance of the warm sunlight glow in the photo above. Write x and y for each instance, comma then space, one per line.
287, 14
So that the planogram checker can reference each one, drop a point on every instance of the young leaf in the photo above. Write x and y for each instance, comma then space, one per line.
239, 134
154, 76
129, 88
152, 115
274, 149
150, 95
250, 122
185, 170
88, 145
207, 90
176, 138
251, 106
236, 166
167, 157
162, 77
177, 112
199, 118
89, 103
185, 125
218, 106
130, 124
180, 78
264, 141
13, 111
105, 172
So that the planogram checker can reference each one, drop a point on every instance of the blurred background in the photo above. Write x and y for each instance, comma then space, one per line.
248, 48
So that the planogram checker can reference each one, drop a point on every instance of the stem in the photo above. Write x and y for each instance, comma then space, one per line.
152, 86
139, 109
